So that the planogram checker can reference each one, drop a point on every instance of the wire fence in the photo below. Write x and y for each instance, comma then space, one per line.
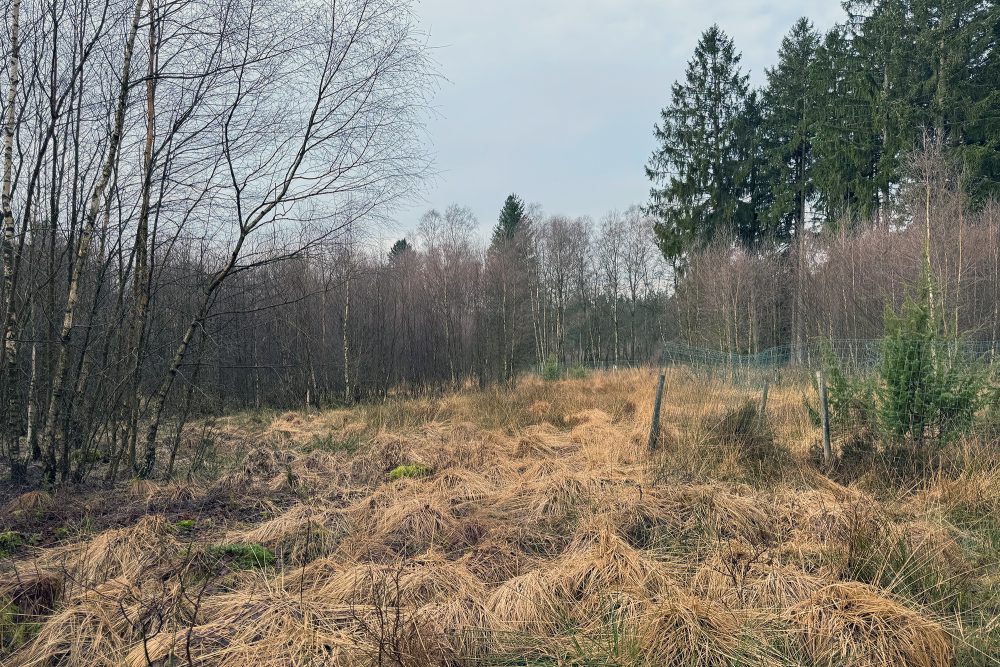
852, 355
900, 400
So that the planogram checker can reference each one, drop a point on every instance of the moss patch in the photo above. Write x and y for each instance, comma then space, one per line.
409, 470
246, 556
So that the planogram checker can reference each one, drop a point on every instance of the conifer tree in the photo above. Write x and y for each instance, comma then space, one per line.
757, 173
790, 103
790, 98
398, 249
846, 139
511, 217
883, 45
696, 169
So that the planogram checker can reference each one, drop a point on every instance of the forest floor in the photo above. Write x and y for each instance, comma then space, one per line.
515, 526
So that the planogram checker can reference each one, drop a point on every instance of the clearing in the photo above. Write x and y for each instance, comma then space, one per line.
523, 526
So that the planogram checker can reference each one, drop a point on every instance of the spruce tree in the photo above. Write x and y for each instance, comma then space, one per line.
954, 82
756, 176
790, 100
930, 67
697, 173
846, 140
790, 103
511, 217
980, 138
398, 249
883, 41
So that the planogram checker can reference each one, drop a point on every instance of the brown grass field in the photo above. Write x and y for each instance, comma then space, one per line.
524, 526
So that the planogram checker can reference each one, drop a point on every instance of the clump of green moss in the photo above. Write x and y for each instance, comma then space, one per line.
409, 470
246, 556
185, 526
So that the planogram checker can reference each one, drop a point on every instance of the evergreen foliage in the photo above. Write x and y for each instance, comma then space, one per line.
697, 172
925, 394
790, 102
512, 216
398, 248
928, 391
825, 141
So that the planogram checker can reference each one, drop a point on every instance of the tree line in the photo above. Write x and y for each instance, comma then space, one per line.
190, 192
441, 308
157, 153
826, 149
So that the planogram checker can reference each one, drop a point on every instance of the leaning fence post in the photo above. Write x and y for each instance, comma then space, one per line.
824, 411
654, 431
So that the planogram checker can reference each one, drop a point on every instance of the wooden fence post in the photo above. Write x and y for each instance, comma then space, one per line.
654, 431
824, 411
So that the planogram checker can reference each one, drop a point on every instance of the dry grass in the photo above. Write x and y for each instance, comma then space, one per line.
683, 629
849, 623
544, 534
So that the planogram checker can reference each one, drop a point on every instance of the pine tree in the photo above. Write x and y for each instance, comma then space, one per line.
697, 174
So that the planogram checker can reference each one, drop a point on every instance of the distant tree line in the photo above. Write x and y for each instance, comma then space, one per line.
442, 308
821, 161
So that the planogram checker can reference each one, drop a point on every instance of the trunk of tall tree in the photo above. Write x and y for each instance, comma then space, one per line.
615, 328
800, 267
140, 285
884, 199
159, 399
185, 410
12, 437
32, 417
347, 346
75, 431
995, 228
504, 324
59, 374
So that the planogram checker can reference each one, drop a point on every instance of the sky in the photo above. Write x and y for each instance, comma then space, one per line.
555, 100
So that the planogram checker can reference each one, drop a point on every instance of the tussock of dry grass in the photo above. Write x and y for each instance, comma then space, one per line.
33, 591
598, 562
269, 629
742, 576
849, 623
682, 629
301, 533
434, 579
123, 553
725, 515
532, 604
543, 532
32, 501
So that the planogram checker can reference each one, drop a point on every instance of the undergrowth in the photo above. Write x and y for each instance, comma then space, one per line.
524, 525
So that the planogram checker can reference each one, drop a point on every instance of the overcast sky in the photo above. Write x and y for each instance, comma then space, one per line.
555, 100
